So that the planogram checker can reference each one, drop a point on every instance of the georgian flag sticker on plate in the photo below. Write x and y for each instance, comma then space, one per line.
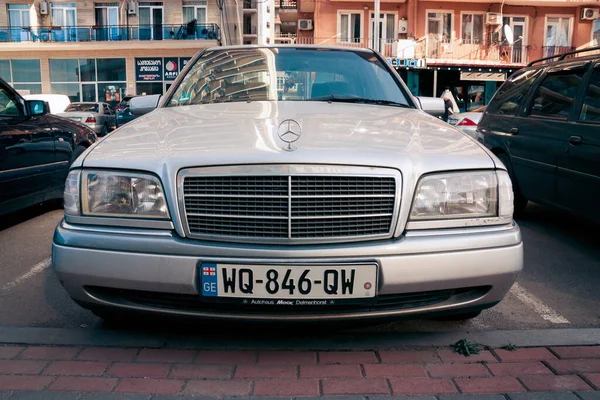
291, 282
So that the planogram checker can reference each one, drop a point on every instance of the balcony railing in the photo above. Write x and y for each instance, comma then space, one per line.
111, 33
456, 51
249, 4
250, 30
287, 4
549, 51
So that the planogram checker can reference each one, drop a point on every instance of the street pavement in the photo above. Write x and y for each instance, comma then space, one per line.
65, 373
558, 288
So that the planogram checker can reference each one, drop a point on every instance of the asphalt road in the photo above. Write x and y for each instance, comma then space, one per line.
558, 288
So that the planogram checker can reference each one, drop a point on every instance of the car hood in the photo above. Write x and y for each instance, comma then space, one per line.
169, 139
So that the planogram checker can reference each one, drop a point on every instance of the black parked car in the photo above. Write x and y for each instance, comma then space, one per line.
36, 150
544, 125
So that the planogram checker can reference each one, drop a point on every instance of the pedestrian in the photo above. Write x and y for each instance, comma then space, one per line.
450, 106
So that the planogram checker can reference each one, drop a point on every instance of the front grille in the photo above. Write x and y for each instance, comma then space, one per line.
289, 207
195, 303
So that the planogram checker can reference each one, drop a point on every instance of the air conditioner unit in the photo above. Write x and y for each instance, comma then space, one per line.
43, 8
493, 18
403, 26
590, 13
305, 24
132, 7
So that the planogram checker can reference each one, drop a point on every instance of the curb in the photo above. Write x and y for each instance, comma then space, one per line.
287, 341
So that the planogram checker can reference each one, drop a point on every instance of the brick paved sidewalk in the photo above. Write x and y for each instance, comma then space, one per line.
67, 373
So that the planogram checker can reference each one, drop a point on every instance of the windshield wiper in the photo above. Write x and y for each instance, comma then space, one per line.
338, 98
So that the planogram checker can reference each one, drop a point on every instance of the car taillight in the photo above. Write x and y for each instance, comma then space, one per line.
467, 122
90, 120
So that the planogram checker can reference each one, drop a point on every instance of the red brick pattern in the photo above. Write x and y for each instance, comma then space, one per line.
218, 374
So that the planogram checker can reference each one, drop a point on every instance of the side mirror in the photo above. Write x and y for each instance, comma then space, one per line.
37, 107
432, 105
143, 104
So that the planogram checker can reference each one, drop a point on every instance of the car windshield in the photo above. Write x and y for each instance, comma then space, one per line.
85, 107
289, 74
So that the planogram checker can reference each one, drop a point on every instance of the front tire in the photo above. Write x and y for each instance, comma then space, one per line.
520, 201
104, 130
77, 152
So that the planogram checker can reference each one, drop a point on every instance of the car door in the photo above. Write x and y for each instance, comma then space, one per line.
109, 114
578, 175
27, 152
537, 138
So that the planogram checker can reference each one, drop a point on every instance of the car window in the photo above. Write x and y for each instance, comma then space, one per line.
8, 105
286, 74
555, 96
508, 98
106, 109
591, 102
82, 107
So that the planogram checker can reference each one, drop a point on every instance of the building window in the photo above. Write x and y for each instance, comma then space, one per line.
439, 26
89, 79
350, 27
107, 17
472, 28
557, 37
23, 75
151, 20
65, 16
196, 10
596, 33
18, 18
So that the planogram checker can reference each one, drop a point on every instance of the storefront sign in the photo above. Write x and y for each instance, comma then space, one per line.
171, 69
408, 62
483, 76
183, 62
148, 69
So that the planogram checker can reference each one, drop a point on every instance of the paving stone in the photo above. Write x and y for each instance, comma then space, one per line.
177, 397
5, 395
45, 396
543, 396
286, 387
337, 398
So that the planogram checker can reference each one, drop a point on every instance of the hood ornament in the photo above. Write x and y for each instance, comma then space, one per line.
289, 131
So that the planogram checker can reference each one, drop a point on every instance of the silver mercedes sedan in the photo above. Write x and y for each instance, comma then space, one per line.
296, 183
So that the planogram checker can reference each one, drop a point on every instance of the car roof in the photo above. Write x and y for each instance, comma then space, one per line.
291, 46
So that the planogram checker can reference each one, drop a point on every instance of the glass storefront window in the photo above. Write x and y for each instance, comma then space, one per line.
87, 69
111, 69
70, 89
64, 70
149, 88
32, 88
26, 71
5, 70
111, 92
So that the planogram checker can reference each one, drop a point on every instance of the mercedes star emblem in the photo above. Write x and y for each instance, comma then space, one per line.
289, 131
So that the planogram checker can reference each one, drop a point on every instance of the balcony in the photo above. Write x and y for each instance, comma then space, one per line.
287, 4
456, 52
250, 5
250, 30
111, 33
550, 51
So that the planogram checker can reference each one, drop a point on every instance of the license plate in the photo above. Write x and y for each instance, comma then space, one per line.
75, 118
285, 282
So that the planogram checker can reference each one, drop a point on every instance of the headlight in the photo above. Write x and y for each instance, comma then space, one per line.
115, 194
485, 196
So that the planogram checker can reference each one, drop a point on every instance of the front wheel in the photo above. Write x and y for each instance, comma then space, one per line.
77, 152
520, 202
104, 130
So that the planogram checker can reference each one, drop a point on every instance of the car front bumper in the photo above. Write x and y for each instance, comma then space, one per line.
157, 271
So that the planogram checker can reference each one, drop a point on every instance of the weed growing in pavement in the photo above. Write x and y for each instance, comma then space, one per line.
510, 347
466, 348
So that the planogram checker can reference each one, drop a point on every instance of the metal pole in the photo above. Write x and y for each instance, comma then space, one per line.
376, 25
435, 83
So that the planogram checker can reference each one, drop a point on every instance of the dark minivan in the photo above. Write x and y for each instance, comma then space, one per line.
36, 150
544, 125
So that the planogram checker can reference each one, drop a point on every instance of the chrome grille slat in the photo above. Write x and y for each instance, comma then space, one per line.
286, 206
